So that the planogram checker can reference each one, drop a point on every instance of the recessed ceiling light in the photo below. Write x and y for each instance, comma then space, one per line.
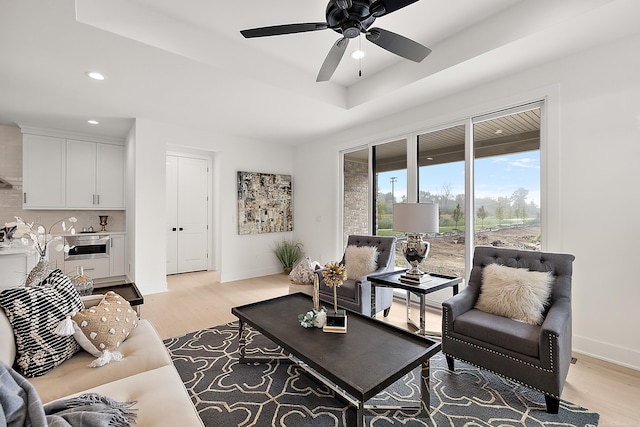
358, 54
93, 122
498, 131
95, 75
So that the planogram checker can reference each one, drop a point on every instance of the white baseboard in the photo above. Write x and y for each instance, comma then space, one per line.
611, 353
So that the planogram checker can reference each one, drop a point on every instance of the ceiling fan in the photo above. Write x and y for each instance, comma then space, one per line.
350, 18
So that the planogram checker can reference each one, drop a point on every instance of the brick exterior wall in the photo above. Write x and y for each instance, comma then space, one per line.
356, 197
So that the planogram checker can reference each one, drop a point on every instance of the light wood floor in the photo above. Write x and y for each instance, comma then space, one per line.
198, 300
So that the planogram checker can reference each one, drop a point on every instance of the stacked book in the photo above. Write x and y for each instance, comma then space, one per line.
336, 322
415, 280
336, 329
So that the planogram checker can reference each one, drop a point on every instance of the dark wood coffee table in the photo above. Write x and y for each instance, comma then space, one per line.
370, 357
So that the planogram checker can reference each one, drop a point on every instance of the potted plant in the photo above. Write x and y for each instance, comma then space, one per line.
288, 253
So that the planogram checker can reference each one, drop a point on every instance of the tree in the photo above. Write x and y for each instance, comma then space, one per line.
523, 213
481, 214
500, 212
519, 197
383, 207
446, 192
457, 215
518, 213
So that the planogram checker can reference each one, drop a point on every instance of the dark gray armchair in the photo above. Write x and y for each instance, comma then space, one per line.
356, 294
537, 356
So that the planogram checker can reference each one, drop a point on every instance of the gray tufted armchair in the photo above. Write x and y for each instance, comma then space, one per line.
356, 294
537, 356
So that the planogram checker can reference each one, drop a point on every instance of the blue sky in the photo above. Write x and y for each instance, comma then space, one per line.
494, 176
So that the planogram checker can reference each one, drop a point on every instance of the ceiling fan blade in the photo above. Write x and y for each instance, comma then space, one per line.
400, 45
385, 7
332, 60
277, 30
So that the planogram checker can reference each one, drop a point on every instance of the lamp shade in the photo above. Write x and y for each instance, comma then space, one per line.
416, 217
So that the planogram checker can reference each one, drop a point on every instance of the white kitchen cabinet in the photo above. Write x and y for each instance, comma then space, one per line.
80, 174
14, 265
94, 175
43, 172
97, 268
110, 176
116, 256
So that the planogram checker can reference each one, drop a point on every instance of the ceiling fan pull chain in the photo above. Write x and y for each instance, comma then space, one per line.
360, 56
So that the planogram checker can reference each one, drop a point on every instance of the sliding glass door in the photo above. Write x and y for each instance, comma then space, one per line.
507, 178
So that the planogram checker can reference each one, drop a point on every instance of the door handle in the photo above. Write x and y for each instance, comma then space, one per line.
181, 229
173, 229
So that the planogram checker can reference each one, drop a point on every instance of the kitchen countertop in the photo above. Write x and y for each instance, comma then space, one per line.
19, 250
95, 233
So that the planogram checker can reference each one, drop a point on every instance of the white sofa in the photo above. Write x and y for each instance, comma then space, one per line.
146, 374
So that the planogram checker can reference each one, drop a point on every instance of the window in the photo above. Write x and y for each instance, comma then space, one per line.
507, 179
503, 207
441, 178
390, 171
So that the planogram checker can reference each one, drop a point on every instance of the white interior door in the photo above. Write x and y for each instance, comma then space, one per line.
172, 215
187, 214
192, 214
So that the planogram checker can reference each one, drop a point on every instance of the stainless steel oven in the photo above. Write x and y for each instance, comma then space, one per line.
87, 247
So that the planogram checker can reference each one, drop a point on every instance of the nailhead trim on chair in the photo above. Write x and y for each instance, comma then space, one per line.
502, 354
505, 376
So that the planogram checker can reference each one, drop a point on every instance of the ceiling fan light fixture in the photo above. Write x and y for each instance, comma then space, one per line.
358, 54
95, 75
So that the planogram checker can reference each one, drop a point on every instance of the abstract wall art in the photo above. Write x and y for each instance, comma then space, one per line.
265, 203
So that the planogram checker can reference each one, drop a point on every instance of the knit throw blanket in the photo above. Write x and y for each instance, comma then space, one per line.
20, 406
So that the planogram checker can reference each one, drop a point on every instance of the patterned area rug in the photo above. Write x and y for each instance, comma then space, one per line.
282, 394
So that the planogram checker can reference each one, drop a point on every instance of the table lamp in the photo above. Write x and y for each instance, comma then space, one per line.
415, 219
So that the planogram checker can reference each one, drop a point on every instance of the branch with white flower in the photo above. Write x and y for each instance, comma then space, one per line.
38, 237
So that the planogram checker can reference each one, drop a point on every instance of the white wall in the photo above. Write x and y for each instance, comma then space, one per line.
130, 198
593, 139
238, 257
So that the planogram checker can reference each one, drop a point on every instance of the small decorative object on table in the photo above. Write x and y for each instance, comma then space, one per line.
38, 239
316, 316
82, 282
334, 274
103, 222
313, 318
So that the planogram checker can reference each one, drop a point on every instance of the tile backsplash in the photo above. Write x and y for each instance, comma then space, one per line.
11, 199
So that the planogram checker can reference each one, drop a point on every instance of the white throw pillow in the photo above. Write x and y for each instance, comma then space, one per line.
516, 293
360, 261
